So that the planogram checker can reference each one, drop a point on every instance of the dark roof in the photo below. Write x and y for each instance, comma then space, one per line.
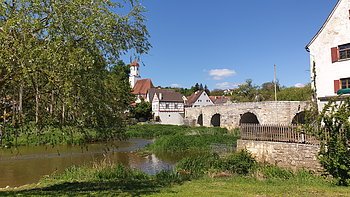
323, 26
142, 86
194, 97
166, 95
217, 100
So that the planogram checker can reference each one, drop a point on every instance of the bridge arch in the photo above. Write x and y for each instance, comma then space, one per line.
200, 120
215, 120
299, 118
248, 118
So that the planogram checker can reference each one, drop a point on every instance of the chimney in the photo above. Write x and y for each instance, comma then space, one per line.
160, 96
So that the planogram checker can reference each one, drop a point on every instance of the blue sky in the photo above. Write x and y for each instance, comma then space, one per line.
222, 43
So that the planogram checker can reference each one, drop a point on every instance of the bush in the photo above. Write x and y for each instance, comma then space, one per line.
241, 162
335, 136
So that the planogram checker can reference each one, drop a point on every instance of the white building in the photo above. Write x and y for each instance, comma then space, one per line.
167, 106
134, 73
330, 55
199, 99
139, 86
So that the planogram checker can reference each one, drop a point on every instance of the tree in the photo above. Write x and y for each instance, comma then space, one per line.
334, 134
206, 90
56, 59
295, 93
245, 92
142, 111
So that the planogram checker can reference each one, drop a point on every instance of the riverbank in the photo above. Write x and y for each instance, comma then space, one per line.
205, 174
104, 179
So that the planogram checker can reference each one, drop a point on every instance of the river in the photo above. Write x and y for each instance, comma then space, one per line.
28, 164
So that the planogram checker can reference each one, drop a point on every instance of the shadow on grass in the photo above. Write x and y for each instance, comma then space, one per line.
117, 187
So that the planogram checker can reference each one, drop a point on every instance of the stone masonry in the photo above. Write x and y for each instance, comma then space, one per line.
280, 112
288, 155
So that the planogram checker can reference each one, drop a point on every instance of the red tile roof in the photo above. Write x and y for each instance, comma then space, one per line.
194, 97
142, 86
217, 100
135, 63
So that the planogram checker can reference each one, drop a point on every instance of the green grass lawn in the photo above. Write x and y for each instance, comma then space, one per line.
247, 186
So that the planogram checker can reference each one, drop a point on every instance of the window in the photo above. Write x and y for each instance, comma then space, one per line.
345, 83
166, 106
199, 100
175, 106
344, 51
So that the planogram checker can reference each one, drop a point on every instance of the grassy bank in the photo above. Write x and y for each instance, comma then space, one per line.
50, 135
232, 175
171, 138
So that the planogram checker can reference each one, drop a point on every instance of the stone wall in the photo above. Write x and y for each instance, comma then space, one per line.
281, 112
288, 155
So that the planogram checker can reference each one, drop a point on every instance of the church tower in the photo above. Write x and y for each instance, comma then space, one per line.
134, 73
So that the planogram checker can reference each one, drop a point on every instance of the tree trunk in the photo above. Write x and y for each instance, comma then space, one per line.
20, 101
63, 112
52, 101
36, 104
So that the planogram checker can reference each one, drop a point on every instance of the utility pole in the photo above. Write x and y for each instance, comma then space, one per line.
275, 81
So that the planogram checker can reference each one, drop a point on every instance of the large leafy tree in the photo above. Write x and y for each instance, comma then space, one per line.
59, 60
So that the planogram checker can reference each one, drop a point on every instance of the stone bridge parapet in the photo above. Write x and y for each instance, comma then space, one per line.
231, 115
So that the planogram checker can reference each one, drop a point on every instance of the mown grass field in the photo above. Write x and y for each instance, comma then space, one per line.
246, 186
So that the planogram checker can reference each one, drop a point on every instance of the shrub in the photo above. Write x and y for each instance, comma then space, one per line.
199, 165
335, 134
241, 162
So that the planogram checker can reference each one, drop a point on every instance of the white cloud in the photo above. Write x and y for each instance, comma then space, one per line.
219, 74
175, 85
226, 85
299, 85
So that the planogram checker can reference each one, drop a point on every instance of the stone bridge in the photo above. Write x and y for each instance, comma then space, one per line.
232, 115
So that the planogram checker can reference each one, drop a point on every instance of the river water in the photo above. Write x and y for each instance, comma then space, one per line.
28, 164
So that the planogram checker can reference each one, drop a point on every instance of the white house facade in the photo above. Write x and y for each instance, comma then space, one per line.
330, 55
199, 99
167, 106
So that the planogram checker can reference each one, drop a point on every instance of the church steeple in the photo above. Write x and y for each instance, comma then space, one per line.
134, 73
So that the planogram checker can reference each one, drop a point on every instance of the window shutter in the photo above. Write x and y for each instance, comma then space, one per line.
336, 85
335, 56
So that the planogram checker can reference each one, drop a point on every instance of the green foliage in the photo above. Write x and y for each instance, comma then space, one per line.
334, 132
199, 165
295, 94
273, 172
51, 135
241, 163
245, 92
142, 111
186, 143
59, 62
158, 130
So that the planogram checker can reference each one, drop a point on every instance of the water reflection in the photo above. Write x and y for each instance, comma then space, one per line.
28, 164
